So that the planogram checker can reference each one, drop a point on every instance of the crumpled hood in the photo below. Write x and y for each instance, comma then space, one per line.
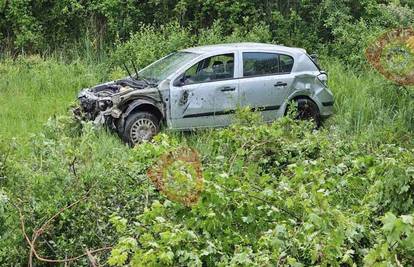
110, 98
114, 87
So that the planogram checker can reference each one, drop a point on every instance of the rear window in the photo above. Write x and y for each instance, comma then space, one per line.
285, 63
261, 63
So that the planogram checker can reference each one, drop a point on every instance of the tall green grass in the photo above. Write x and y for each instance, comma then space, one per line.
370, 106
33, 88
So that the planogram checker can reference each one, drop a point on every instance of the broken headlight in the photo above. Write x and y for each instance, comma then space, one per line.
87, 105
104, 104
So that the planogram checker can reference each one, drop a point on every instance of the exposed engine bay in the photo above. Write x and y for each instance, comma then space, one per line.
110, 103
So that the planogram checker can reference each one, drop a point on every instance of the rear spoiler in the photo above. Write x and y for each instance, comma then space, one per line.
315, 58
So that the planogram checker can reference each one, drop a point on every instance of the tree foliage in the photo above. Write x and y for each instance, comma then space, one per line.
339, 27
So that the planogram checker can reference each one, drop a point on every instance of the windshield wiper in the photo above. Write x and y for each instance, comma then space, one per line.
126, 68
137, 77
140, 77
135, 68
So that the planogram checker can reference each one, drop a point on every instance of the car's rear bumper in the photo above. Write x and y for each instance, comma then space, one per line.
327, 108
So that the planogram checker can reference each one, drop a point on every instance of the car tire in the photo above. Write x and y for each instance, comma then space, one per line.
307, 110
140, 126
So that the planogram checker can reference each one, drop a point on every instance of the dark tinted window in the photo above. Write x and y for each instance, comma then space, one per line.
214, 68
285, 63
259, 63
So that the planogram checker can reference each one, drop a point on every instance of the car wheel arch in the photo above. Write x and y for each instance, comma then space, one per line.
136, 106
299, 98
296, 97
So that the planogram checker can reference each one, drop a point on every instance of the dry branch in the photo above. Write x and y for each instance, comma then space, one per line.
37, 233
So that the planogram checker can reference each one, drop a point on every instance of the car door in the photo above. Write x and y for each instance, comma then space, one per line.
206, 95
266, 82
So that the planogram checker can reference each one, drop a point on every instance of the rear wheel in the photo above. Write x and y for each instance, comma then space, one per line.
307, 110
140, 126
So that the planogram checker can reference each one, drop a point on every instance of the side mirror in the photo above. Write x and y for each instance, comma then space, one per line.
180, 81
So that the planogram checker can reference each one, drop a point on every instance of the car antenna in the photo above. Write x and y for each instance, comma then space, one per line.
129, 73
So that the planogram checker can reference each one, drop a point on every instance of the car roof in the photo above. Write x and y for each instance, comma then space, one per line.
242, 46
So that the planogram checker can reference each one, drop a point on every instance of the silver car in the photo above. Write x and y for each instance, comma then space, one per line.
203, 86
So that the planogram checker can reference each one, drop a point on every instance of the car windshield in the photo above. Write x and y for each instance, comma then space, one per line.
163, 68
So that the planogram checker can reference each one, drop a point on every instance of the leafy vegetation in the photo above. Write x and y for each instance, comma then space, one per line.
278, 193
272, 194
342, 28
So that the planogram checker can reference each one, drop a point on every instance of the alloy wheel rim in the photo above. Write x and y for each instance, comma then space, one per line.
142, 129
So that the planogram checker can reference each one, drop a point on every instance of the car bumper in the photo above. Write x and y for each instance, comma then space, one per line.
327, 108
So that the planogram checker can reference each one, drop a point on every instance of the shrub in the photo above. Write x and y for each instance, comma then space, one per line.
150, 43
279, 193
273, 194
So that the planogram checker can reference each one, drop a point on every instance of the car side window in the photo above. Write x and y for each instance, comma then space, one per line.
210, 69
285, 63
262, 63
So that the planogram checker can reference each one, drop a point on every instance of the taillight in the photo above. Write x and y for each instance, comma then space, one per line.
323, 78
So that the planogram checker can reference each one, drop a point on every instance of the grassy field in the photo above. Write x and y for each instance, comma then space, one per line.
271, 193
34, 89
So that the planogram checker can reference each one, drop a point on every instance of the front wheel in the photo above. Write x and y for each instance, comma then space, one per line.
140, 126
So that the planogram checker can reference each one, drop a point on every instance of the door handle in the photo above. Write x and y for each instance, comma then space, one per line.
228, 89
280, 84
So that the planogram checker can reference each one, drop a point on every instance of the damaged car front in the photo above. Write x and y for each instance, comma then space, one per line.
133, 106
105, 103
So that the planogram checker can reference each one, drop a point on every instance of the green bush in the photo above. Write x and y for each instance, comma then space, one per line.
353, 35
279, 193
59, 166
340, 28
151, 43
274, 194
